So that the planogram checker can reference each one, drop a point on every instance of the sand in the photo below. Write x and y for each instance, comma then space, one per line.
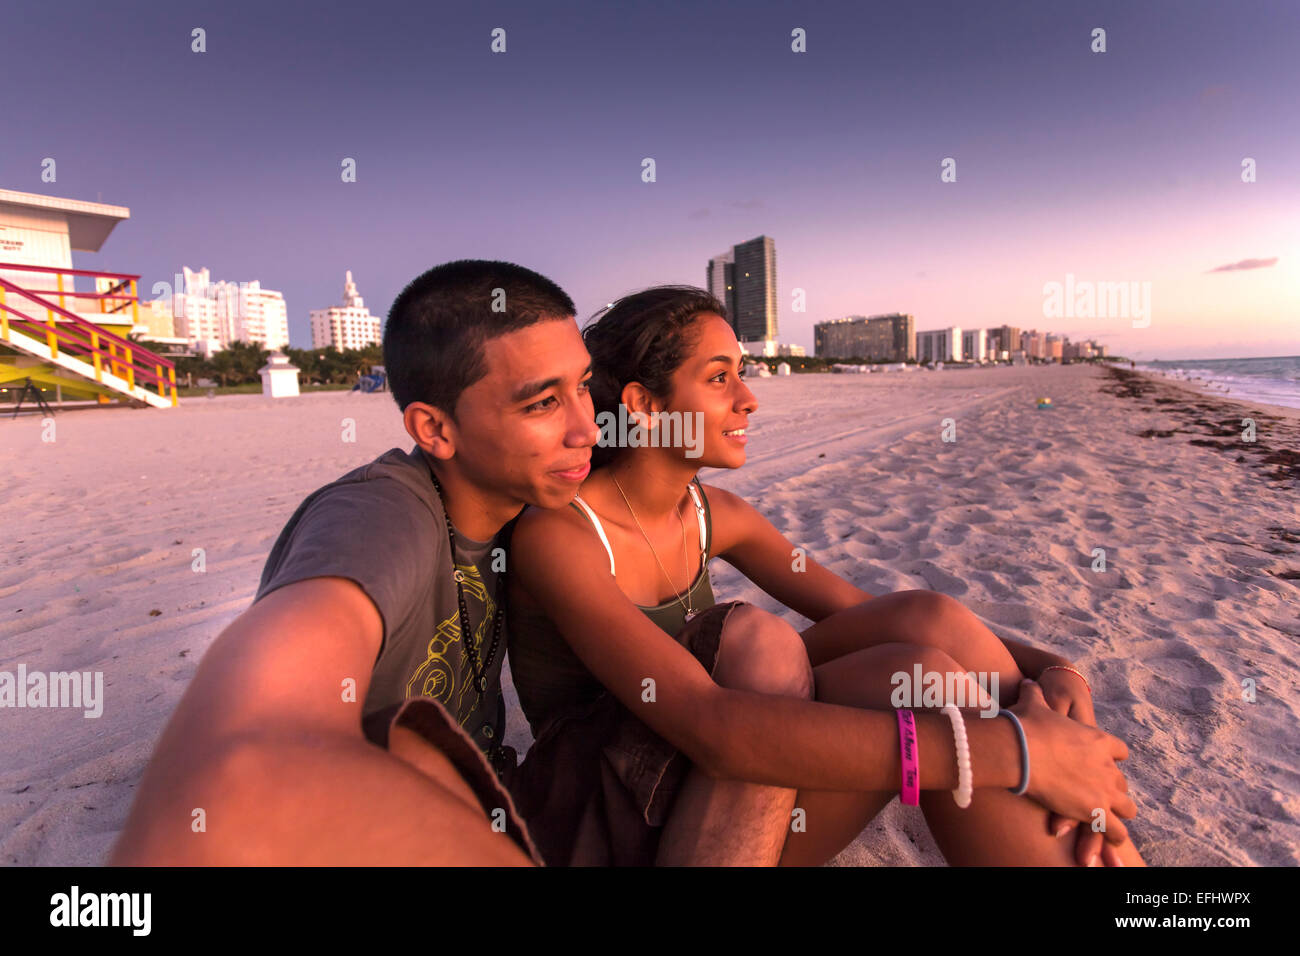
1199, 595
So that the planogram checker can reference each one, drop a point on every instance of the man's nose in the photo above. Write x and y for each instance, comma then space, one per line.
583, 432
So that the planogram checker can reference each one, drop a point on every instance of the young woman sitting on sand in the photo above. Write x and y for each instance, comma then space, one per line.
653, 706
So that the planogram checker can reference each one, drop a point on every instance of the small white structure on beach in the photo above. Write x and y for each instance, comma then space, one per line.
783, 368
279, 378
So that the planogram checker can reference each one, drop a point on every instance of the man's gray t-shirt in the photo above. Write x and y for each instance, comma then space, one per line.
382, 526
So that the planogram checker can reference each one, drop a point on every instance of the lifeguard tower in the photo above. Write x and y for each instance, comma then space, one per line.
73, 344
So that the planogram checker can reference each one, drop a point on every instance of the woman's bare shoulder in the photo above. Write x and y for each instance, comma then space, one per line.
734, 519
727, 505
544, 532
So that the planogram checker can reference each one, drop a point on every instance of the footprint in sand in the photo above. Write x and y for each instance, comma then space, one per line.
872, 551
937, 579
1005, 529
954, 535
1005, 614
1177, 608
893, 523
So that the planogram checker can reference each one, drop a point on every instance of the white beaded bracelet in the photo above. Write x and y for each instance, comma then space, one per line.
963, 792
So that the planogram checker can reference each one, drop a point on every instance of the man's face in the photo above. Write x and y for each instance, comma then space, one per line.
525, 430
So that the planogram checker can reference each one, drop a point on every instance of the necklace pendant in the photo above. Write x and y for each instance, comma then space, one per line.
691, 612
459, 576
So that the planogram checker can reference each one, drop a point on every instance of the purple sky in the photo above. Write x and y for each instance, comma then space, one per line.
1122, 166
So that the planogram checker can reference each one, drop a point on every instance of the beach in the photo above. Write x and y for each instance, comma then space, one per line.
136, 535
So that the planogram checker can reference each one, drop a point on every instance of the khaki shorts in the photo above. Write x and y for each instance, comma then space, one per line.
428, 718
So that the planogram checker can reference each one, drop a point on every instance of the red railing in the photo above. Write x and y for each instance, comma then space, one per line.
62, 330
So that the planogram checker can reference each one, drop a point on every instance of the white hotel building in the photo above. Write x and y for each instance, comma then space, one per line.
346, 326
939, 345
975, 345
211, 315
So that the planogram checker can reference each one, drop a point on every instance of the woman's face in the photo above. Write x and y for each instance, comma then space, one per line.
708, 387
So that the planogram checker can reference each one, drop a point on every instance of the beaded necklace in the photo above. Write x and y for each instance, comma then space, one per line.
466, 633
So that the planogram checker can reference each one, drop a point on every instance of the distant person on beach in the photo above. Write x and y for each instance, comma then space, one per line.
649, 701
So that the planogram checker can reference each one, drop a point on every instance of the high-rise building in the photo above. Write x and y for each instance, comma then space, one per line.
890, 338
346, 326
939, 345
974, 345
1008, 339
1034, 344
755, 318
721, 282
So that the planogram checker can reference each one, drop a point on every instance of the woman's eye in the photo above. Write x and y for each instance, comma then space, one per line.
719, 375
584, 387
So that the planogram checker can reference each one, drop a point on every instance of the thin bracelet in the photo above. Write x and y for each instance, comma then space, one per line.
910, 789
963, 792
1067, 667
1024, 753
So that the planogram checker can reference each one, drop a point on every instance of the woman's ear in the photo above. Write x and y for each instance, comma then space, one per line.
640, 403
432, 428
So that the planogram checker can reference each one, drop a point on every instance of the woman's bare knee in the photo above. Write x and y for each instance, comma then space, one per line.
760, 652
942, 678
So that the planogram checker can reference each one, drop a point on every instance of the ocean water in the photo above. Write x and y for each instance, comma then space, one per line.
1273, 381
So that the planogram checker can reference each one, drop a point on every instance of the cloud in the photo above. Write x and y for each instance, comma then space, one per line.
1246, 264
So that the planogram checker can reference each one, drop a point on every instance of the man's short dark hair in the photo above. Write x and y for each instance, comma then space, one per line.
436, 329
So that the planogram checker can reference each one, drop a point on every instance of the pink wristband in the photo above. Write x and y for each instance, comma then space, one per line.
910, 792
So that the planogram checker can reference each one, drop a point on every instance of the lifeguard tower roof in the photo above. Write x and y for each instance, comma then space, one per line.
89, 223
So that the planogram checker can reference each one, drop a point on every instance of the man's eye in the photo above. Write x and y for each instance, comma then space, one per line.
584, 387
537, 406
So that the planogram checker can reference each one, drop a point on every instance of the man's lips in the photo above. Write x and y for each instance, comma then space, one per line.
574, 474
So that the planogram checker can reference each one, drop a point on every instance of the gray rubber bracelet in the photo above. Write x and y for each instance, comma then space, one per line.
1024, 753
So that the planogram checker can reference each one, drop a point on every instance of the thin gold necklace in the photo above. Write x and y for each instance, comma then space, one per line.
687, 605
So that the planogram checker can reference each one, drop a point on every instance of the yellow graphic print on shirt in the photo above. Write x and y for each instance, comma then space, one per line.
435, 677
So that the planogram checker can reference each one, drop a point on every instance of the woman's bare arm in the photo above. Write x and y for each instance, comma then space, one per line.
785, 741
749, 542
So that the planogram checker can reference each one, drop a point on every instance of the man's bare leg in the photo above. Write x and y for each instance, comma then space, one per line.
461, 812
729, 822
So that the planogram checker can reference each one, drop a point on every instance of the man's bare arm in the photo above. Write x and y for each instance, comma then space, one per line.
264, 744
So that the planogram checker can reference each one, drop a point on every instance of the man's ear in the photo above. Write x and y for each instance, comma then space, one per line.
638, 400
432, 428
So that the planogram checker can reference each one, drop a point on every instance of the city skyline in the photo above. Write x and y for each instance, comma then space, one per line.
1123, 166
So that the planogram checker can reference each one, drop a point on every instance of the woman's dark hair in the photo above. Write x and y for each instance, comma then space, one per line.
643, 337
436, 329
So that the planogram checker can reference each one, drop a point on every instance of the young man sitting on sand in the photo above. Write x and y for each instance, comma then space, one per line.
356, 636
